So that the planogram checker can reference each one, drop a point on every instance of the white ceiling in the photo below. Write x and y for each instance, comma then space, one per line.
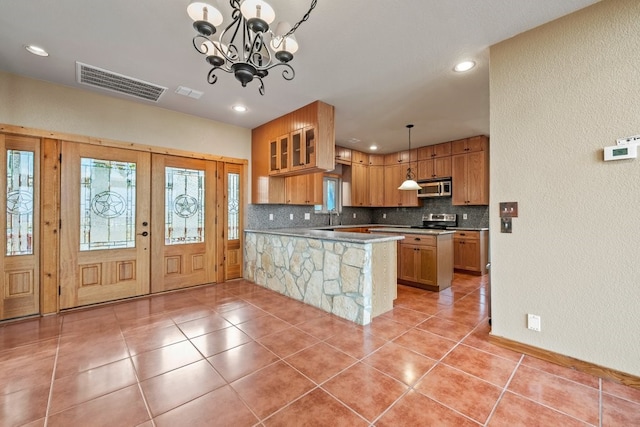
381, 63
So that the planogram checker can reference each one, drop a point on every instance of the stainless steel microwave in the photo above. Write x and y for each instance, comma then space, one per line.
435, 189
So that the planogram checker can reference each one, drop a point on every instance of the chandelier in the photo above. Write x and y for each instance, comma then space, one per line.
246, 48
410, 183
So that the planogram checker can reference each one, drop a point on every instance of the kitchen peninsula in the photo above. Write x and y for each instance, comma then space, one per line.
351, 275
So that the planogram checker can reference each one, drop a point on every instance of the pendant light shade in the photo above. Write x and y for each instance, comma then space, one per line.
410, 183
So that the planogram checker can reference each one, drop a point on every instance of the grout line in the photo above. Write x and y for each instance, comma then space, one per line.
600, 399
53, 376
504, 389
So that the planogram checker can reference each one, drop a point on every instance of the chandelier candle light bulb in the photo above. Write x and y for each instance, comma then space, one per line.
243, 47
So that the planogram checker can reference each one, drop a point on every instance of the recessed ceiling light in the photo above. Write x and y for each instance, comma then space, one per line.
36, 50
239, 108
373, 147
464, 66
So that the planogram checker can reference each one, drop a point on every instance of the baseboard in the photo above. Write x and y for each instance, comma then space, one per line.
567, 361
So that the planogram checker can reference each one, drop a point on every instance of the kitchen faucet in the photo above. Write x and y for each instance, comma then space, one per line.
331, 212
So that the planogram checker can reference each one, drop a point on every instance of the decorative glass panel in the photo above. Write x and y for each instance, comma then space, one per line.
233, 208
184, 206
20, 180
107, 204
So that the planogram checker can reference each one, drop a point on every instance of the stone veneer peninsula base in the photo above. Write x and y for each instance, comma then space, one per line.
351, 275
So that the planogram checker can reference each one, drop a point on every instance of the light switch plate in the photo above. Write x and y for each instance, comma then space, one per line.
508, 209
307, 215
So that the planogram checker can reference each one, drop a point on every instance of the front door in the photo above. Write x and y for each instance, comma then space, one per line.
184, 222
105, 232
20, 214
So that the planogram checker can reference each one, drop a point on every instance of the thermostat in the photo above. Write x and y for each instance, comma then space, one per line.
619, 152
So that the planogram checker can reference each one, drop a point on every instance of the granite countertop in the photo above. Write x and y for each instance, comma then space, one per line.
468, 228
408, 230
339, 236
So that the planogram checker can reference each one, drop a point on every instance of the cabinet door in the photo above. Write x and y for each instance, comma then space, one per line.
359, 184
376, 159
459, 179
359, 157
343, 155
471, 255
407, 260
376, 185
425, 169
477, 185
274, 156
392, 180
283, 150
427, 267
477, 143
297, 151
442, 167
442, 150
458, 253
309, 140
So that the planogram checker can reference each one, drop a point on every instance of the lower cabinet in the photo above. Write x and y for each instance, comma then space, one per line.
470, 251
426, 261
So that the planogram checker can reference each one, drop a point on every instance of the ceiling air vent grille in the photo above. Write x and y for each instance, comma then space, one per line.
104, 79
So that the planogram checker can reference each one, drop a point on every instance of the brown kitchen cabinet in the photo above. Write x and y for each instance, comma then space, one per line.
279, 155
343, 155
303, 149
470, 145
470, 251
359, 184
304, 189
435, 168
426, 261
405, 156
376, 159
434, 151
394, 176
359, 157
376, 185
470, 175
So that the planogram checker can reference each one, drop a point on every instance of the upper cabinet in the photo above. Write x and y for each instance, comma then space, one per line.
300, 142
434, 161
470, 171
359, 157
401, 157
376, 159
343, 155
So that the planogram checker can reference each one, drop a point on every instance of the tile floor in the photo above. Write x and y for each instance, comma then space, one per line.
235, 354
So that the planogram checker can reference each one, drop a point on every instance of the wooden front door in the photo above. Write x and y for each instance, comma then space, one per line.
20, 215
184, 214
105, 228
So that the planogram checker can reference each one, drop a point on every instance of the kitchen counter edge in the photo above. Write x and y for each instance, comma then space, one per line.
339, 236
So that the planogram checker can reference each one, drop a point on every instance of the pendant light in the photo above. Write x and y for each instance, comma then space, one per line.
410, 183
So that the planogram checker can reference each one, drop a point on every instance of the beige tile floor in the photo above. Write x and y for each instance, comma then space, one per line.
235, 354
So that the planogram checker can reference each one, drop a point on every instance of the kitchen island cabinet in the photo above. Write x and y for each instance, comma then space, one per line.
470, 249
425, 257
351, 275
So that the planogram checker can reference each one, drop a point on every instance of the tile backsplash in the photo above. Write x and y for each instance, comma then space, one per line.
258, 215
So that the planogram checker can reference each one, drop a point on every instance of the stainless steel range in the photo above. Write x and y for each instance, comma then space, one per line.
438, 221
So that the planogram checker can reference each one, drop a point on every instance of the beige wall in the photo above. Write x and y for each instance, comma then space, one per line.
559, 94
41, 105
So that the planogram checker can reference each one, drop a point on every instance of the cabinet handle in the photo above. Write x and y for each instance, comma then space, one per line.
417, 239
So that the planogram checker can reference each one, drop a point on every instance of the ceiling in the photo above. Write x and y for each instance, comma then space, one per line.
381, 63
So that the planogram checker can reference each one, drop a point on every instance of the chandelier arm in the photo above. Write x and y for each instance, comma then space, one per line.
261, 87
198, 43
257, 45
212, 78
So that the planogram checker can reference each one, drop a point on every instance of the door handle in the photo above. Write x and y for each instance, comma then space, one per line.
143, 234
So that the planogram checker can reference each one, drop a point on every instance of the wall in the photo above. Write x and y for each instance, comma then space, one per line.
559, 94
41, 105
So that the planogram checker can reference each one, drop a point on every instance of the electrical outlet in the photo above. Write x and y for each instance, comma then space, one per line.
291, 216
533, 322
354, 214
464, 216
384, 216
270, 217
307, 215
